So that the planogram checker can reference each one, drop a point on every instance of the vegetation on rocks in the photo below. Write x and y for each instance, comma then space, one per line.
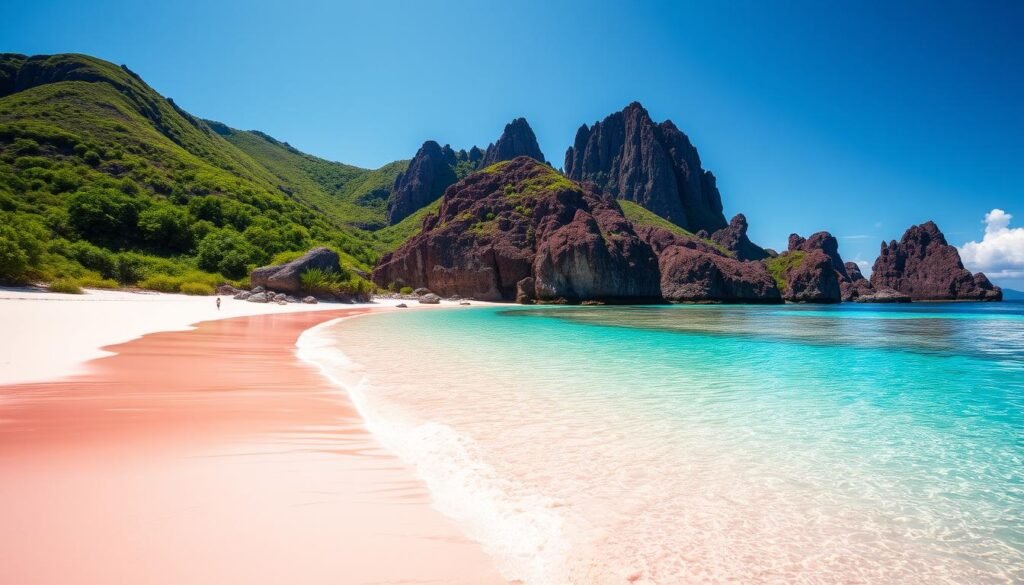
781, 265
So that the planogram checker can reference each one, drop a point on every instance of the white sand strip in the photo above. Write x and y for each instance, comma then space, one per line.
51, 335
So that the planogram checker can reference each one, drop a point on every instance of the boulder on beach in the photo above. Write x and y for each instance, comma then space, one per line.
260, 297
401, 306
430, 299
287, 277
242, 295
227, 290
421, 291
310, 300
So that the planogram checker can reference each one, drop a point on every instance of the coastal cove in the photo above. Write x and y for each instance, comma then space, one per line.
672, 444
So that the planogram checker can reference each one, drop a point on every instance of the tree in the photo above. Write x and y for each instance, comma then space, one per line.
225, 251
104, 216
166, 228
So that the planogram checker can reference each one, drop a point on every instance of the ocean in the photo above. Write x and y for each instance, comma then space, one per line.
707, 444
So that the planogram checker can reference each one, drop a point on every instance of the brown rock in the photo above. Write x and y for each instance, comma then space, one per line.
806, 276
526, 292
517, 140
430, 172
733, 237
630, 157
286, 277
885, 295
923, 266
522, 220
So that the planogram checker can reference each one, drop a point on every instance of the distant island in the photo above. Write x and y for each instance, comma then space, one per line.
105, 183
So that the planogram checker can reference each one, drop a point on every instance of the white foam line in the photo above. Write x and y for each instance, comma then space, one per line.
522, 531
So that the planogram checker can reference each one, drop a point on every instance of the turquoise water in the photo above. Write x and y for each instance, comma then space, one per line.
846, 444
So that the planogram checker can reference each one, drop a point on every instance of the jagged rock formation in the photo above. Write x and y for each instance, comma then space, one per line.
926, 268
856, 287
733, 237
810, 271
630, 157
430, 172
518, 139
435, 168
693, 271
520, 231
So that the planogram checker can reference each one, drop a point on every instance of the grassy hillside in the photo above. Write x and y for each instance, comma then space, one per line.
641, 216
389, 238
105, 181
348, 194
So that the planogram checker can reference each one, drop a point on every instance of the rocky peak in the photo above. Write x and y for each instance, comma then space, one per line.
853, 270
925, 267
435, 168
518, 139
522, 220
825, 242
430, 172
734, 238
629, 156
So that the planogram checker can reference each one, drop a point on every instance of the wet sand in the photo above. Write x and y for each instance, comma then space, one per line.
212, 456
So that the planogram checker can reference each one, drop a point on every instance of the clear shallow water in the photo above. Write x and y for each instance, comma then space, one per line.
848, 444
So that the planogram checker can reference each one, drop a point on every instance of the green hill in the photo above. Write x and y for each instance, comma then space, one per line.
349, 194
102, 179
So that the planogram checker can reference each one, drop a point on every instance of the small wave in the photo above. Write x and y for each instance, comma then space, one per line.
521, 530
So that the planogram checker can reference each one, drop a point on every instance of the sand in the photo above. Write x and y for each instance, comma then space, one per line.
203, 456
58, 333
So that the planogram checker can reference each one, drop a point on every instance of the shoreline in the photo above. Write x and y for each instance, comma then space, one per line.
62, 333
212, 455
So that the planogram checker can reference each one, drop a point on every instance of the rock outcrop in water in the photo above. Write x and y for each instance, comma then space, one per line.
630, 157
926, 268
810, 271
733, 237
435, 168
693, 271
521, 231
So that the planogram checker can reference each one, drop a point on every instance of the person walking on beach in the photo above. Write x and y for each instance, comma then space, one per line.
218, 303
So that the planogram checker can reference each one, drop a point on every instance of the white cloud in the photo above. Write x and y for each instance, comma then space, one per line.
1000, 253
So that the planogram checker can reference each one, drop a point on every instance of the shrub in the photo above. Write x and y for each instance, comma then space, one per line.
94, 281
406, 290
93, 258
129, 268
285, 257
197, 288
161, 283
21, 247
66, 285
320, 281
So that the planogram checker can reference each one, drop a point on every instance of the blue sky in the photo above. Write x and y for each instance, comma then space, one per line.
860, 118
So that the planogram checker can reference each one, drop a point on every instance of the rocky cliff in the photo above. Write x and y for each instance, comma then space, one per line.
630, 157
518, 139
429, 173
810, 271
435, 168
733, 237
520, 231
925, 267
